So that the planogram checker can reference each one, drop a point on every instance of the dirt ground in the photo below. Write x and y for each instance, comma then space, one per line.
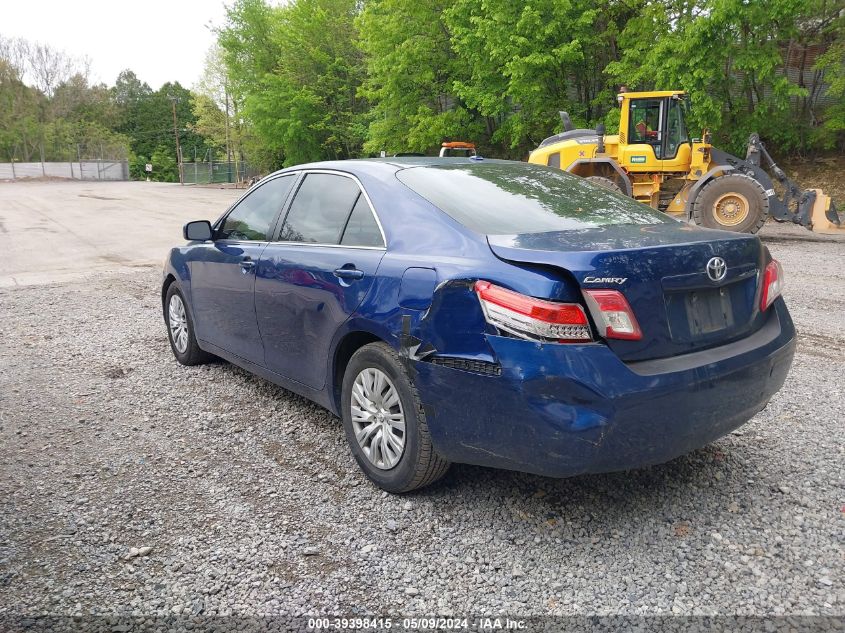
827, 174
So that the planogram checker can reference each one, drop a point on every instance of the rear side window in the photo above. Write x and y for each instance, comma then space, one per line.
251, 218
320, 209
501, 198
361, 229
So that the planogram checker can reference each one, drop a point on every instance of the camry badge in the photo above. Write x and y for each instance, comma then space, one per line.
605, 280
717, 268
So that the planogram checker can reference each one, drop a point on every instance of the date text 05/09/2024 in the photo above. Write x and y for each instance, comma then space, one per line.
417, 624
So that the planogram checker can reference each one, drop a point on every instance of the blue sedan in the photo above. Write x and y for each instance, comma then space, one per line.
484, 312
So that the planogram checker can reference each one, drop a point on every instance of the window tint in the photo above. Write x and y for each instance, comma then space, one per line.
499, 198
362, 230
251, 219
319, 209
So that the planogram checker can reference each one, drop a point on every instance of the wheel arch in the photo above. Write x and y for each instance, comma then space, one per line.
350, 343
169, 280
699, 185
602, 167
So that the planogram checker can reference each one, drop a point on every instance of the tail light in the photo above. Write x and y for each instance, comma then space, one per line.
772, 284
613, 315
532, 318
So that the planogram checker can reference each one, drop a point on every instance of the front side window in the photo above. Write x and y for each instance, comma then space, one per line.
505, 198
320, 209
250, 220
644, 122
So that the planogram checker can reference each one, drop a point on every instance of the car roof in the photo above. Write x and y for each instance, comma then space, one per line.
390, 164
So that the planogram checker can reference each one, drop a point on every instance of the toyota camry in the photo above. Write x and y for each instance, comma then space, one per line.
483, 312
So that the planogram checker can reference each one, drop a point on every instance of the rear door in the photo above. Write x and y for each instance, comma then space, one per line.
315, 273
223, 271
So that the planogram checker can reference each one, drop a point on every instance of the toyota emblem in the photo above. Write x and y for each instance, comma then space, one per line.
717, 268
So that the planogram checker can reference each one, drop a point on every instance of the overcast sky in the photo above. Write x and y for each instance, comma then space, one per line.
161, 40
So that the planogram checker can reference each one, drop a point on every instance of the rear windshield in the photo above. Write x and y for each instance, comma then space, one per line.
499, 198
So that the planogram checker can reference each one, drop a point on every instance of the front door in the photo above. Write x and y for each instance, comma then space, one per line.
316, 275
643, 152
677, 149
223, 271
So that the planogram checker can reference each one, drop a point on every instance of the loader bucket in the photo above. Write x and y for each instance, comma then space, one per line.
824, 218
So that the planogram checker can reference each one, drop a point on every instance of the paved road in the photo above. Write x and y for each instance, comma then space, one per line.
62, 230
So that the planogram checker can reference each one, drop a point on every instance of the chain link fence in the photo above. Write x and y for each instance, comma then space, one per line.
210, 172
77, 161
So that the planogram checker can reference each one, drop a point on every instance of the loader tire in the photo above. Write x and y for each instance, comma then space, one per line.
607, 183
734, 202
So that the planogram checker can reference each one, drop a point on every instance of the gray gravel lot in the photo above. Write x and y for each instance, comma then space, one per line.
133, 485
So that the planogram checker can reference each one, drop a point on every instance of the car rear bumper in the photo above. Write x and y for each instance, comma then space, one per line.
563, 410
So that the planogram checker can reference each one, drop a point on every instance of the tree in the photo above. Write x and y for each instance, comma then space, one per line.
128, 90
41, 64
411, 69
299, 69
530, 59
20, 108
728, 54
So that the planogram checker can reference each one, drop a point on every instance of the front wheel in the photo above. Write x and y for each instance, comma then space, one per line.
385, 423
180, 329
734, 202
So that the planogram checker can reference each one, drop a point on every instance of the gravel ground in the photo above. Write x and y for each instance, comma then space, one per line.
132, 485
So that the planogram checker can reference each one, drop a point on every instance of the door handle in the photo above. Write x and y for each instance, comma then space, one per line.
247, 265
349, 273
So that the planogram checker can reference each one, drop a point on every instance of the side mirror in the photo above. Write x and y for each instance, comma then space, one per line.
197, 231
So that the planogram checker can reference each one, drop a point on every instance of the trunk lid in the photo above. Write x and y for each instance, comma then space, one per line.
662, 271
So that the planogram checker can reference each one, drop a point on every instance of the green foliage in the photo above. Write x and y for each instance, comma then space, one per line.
730, 56
308, 80
497, 72
528, 60
137, 167
20, 108
411, 68
165, 167
831, 134
298, 70
209, 121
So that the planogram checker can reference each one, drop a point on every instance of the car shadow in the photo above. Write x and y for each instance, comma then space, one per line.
692, 487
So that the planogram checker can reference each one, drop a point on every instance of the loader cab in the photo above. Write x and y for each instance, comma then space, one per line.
653, 131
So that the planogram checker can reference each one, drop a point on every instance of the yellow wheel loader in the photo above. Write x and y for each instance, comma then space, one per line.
654, 160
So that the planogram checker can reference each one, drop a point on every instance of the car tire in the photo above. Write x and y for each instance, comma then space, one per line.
180, 329
418, 464
734, 202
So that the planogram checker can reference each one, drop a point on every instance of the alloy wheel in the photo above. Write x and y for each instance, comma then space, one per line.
377, 418
177, 320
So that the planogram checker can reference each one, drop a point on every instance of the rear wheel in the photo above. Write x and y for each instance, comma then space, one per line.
385, 423
734, 202
607, 183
